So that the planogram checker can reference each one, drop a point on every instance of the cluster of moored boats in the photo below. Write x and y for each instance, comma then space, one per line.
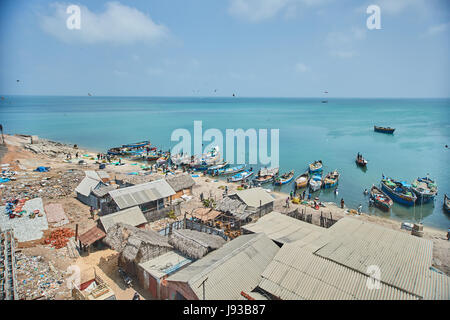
420, 191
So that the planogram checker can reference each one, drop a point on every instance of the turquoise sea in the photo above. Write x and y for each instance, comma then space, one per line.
309, 130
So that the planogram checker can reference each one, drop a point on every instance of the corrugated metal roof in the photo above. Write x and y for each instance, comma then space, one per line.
87, 185
92, 235
284, 229
334, 265
235, 267
92, 174
165, 264
131, 216
141, 193
297, 273
253, 197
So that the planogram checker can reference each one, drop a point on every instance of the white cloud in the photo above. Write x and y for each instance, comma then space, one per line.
118, 24
342, 44
300, 67
433, 30
259, 10
399, 6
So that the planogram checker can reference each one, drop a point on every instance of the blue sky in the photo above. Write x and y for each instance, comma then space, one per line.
255, 48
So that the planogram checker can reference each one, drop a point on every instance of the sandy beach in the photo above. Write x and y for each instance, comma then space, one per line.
24, 157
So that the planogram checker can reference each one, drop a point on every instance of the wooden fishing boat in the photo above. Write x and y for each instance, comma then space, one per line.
230, 170
331, 180
425, 189
360, 161
398, 191
266, 175
132, 149
315, 182
380, 199
163, 160
302, 180
384, 129
217, 167
241, 176
446, 203
284, 178
316, 166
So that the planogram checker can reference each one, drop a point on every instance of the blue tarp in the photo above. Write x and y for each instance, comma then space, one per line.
4, 180
42, 169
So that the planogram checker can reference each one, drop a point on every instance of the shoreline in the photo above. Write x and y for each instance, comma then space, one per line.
82, 150
53, 154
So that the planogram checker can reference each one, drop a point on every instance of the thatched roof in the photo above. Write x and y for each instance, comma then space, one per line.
180, 181
194, 244
206, 214
136, 179
128, 240
235, 207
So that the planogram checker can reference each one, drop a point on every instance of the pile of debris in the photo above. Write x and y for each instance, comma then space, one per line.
51, 148
51, 186
39, 279
59, 238
7, 174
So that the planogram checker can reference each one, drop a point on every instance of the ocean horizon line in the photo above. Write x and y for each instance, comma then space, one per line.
227, 97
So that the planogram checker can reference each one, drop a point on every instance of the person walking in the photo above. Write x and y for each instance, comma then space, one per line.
342, 203
287, 202
360, 208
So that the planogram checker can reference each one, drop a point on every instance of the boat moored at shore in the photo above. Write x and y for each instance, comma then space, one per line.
380, 199
331, 180
302, 180
316, 166
229, 170
266, 175
400, 192
425, 189
284, 178
315, 182
446, 204
241, 176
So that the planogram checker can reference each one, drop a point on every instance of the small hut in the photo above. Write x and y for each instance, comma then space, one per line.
135, 245
194, 244
182, 184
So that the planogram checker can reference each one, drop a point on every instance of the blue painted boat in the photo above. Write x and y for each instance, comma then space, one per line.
315, 182
241, 176
284, 178
217, 167
316, 166
446, 204
331, 180
230, 170
425, 189
400, 192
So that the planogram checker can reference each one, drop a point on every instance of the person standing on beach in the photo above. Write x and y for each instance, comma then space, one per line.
291, 194
342, 203
304, 193
287, 202
360, 208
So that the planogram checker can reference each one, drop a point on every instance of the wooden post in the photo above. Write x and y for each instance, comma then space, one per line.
76, 232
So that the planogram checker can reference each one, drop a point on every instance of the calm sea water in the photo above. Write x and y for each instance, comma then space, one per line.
309, 130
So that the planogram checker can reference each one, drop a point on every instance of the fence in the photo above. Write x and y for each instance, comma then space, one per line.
301, 215
193, 225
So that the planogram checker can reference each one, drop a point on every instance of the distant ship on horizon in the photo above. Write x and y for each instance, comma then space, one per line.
325, 101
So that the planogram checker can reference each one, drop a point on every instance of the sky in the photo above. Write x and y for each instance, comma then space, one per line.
253, 48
